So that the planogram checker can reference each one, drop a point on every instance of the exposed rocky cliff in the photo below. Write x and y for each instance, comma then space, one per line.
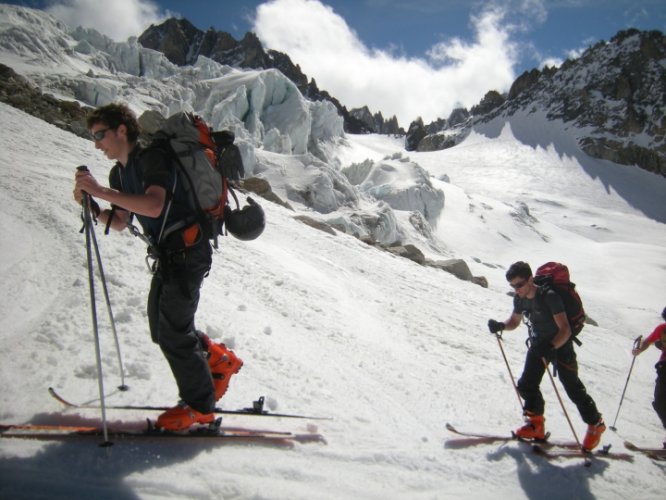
18, 92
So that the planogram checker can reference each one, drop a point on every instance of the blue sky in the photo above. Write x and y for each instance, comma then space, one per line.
404, 57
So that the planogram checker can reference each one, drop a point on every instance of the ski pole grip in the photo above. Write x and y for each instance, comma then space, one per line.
83, 168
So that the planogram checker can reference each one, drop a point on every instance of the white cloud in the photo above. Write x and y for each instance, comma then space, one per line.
117, 19
451, 73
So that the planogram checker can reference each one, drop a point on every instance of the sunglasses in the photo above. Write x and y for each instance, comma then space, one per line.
99, 135
517, 286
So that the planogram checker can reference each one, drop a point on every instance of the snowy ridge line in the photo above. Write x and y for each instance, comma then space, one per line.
256, 410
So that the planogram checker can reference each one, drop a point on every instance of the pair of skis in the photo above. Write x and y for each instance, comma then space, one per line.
136, 430
61, 432
545, 448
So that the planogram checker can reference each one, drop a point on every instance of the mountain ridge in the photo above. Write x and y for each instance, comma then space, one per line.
181, 42
614, 93
630, 76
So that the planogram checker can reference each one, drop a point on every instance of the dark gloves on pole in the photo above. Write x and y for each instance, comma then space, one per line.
495, 326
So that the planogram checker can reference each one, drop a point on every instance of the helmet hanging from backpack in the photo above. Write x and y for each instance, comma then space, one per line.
246, 223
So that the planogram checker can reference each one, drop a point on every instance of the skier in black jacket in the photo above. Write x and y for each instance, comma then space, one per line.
141, 183
550, 342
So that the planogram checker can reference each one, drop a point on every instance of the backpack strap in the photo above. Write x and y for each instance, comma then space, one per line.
169, 195
163, 145
541, 291
112, 214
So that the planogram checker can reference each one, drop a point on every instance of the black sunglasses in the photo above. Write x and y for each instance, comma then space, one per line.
99, 135
516, 286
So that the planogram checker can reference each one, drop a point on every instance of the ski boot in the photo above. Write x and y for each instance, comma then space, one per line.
223, 363
182, 417
534, 428
593, 435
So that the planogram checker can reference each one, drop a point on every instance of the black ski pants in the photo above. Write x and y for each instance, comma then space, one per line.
659, 403
567, 372
172, 304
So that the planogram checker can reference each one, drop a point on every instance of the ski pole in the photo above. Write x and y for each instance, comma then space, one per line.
506, 361
559, 398
637, 344
87, 225
100, 268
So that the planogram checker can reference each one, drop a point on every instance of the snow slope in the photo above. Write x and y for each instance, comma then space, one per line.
328, 325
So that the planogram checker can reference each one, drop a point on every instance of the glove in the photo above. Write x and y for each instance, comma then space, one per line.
495, 326
545, 350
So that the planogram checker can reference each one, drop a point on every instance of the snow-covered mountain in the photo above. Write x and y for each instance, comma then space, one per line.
278, 131
182, 43
612, 97
325, 323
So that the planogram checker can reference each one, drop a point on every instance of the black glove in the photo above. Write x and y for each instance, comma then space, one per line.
545, 350
495, 326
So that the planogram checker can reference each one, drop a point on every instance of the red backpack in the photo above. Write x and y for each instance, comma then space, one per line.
555, 276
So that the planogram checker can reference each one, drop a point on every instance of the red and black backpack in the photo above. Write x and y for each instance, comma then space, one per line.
555, 276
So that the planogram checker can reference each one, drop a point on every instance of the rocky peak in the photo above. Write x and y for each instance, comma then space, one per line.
376, 122
490, 101
174, 38
182, 43
524, 82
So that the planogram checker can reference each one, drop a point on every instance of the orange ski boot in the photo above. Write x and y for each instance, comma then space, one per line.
593, 435
223, 364
182, 417
534, 427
